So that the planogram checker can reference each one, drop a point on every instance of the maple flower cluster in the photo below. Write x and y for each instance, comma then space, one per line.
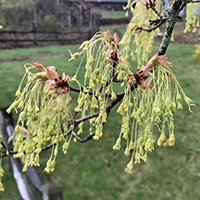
44, 107
152, 105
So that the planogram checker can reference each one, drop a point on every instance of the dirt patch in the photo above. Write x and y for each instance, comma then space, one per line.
180, 37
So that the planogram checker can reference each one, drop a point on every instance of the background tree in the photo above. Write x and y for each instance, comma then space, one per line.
14, 12
149, 97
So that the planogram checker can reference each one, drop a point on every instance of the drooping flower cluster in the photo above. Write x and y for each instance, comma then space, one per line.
103, 62
43, 108
152, 105
192, 21
138, 40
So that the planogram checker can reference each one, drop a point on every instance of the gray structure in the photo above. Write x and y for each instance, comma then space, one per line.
107, 4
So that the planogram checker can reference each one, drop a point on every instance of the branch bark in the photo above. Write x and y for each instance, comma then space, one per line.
172, 15
89, 137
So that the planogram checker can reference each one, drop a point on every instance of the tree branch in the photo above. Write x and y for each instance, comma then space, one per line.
152, 6
182, 6
89, 137
4, 145
120, 96
195, 1
172, 14
86, 118
107, 82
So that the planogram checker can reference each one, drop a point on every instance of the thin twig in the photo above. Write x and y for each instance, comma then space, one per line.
158, 23
107, 83
152, 6
120, 96
86, 118
183, 6
153, 28
4, 145
75, 113
89, 137
195, 1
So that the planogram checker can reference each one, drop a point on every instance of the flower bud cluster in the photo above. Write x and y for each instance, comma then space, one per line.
136, 43
98, 84
147, 108
43, 109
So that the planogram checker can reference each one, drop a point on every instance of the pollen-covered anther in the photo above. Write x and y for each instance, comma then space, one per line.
129, 168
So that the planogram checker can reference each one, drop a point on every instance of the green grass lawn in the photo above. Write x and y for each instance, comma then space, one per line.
112, 14
93, 170
20, 52
119, 29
